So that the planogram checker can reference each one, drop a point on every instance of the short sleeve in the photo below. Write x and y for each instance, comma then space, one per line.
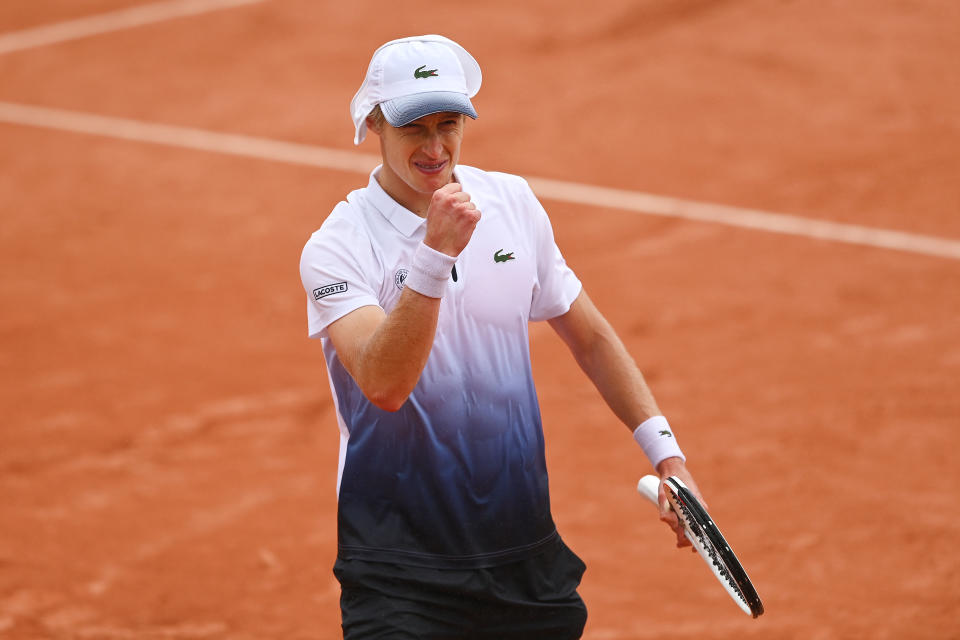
336, 268
557, 286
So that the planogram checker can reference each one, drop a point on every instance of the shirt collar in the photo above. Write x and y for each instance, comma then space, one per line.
404, 220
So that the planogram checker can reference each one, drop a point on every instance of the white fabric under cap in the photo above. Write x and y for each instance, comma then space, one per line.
413, 77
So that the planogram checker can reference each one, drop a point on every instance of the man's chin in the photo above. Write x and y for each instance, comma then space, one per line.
433, 182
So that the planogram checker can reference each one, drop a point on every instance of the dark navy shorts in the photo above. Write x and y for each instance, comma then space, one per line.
530, 599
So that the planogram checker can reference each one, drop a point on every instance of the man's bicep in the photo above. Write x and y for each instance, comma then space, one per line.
579, 325
350, 333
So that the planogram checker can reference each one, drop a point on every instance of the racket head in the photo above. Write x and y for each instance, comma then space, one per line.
701, 530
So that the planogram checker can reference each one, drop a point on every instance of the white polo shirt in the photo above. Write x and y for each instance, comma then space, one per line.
457, 476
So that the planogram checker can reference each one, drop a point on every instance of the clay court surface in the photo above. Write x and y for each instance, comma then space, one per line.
168, 447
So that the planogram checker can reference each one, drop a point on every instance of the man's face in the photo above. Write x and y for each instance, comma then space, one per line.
419, 158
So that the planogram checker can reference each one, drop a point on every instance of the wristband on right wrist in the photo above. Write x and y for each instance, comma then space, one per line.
656, 439
429, 272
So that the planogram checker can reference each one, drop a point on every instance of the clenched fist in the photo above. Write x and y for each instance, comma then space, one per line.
451, 219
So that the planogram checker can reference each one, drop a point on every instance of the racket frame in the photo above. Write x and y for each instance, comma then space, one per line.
723, 563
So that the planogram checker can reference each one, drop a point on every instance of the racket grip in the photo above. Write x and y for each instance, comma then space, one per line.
649, 488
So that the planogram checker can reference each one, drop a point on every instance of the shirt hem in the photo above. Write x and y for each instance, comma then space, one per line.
437, 561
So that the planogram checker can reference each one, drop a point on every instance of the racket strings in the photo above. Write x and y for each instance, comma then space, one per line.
707, 540
707, 547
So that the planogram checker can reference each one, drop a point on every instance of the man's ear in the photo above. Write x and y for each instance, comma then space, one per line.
373, 125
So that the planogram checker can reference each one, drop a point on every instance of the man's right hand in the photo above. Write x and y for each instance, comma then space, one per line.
451, 219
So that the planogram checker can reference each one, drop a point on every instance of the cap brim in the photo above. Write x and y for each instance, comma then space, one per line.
404, 110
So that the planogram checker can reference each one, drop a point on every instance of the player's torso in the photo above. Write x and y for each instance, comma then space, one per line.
469, 436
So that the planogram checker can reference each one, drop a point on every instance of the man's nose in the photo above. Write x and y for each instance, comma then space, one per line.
432, 145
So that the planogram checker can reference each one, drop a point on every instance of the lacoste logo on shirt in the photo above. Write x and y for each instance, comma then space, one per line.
329, 290
499, 256
420, 73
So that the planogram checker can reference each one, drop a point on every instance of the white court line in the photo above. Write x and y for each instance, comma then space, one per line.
745, 218
556, 190
111, 21
185, 137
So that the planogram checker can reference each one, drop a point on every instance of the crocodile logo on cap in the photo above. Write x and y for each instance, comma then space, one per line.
420, 73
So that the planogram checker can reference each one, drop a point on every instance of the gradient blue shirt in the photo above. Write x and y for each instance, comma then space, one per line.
456, 477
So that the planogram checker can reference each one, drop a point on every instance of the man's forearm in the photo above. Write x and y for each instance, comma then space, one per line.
618, 379
387, 363
605, 360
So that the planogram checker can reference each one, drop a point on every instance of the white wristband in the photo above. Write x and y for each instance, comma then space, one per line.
429, 272
657, 440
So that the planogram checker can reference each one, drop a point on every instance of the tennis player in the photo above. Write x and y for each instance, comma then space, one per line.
420, 287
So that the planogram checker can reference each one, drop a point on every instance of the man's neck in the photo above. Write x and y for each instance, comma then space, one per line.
402, 194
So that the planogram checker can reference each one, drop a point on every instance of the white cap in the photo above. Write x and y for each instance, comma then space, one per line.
414, 77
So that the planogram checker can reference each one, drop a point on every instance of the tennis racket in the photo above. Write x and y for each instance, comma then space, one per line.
706, 538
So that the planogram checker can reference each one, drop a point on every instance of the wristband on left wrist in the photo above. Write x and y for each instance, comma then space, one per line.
656, 438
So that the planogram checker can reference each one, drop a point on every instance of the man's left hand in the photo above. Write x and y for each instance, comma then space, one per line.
676, 467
